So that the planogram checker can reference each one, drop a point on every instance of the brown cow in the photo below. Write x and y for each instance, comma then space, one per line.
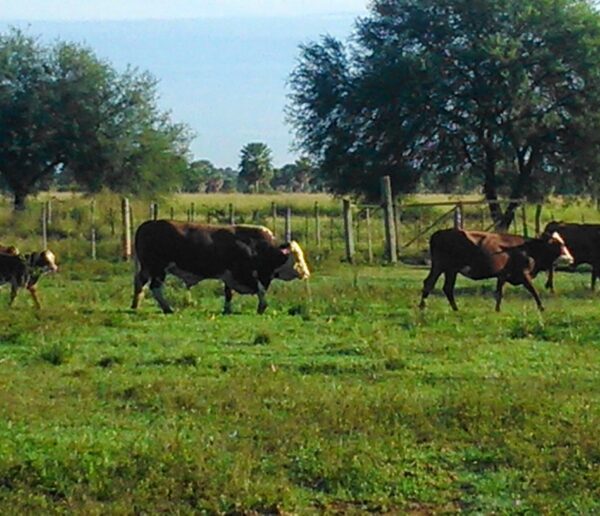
245, 258
25, 271
481, 255
583, 240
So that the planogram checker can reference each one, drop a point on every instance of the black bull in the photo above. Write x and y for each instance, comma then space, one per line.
245, 258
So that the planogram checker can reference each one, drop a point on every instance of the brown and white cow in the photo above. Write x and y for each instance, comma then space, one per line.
480, 255
583, 240
245, 258
24, 271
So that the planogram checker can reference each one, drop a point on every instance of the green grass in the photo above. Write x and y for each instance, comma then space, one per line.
342, 398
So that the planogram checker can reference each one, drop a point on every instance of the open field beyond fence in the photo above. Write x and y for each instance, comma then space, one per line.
342, 398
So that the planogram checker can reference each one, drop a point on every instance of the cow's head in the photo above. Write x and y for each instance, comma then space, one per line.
565, 257
295, 266
44, 261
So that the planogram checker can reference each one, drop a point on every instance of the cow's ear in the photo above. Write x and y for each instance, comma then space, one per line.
285, 248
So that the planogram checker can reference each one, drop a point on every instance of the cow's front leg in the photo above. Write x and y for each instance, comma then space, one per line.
595, 274
528, 284
498, 294
139, 280
156, 286
262, 301
228, 296
550, 281
33, 291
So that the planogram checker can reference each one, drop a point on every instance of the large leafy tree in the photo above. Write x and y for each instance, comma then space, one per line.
64, 111
256, 166
504, 91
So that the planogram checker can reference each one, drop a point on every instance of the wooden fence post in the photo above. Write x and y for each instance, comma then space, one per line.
126, 235
538, 217
49, 212
154, 210
288, 224
369, 238
331, 223
390, 226
231, 214
348, 230
192, 212
458, 216
44, 220
524, 219
111, 221
172, 213
274, 217
317, 226
93, 230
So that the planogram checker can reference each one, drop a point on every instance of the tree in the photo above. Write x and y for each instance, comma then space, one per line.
295, 177
256, 166
506, 92
64, 111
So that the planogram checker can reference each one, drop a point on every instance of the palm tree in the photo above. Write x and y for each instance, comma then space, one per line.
256, 165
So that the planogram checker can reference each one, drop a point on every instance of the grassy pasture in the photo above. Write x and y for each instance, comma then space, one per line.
342, 398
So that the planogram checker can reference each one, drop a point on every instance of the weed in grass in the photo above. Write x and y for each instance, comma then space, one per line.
301, 310
262, 338
56, 353
109, 361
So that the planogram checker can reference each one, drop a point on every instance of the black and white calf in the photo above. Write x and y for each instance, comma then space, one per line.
24, 271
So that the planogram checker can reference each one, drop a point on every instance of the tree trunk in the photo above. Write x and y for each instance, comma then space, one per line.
19, 198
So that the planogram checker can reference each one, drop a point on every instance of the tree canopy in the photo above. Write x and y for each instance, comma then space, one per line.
65, 111
505, 92
256, 166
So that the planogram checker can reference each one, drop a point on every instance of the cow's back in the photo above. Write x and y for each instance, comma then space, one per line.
477, 254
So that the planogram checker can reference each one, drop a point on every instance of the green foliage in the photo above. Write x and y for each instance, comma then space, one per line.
66, 114
504, 96
256, 166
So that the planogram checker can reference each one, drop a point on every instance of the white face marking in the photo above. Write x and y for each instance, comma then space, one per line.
295, 266
565, 258
50, 260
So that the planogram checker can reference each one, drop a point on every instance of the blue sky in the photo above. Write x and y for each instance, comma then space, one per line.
169, 9
222, 65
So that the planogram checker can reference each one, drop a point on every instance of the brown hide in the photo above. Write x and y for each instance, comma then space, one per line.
480, 255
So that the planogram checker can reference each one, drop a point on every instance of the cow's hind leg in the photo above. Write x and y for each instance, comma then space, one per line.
14, 287
528, 284
228, 296
429, 283
595, 274
498, 293
139, 281
449, 281
156, 287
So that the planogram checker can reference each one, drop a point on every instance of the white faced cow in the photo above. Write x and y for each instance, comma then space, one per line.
245, 258
480, 255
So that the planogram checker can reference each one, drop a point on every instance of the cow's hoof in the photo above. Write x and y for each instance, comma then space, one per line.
168, 311
261, 309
